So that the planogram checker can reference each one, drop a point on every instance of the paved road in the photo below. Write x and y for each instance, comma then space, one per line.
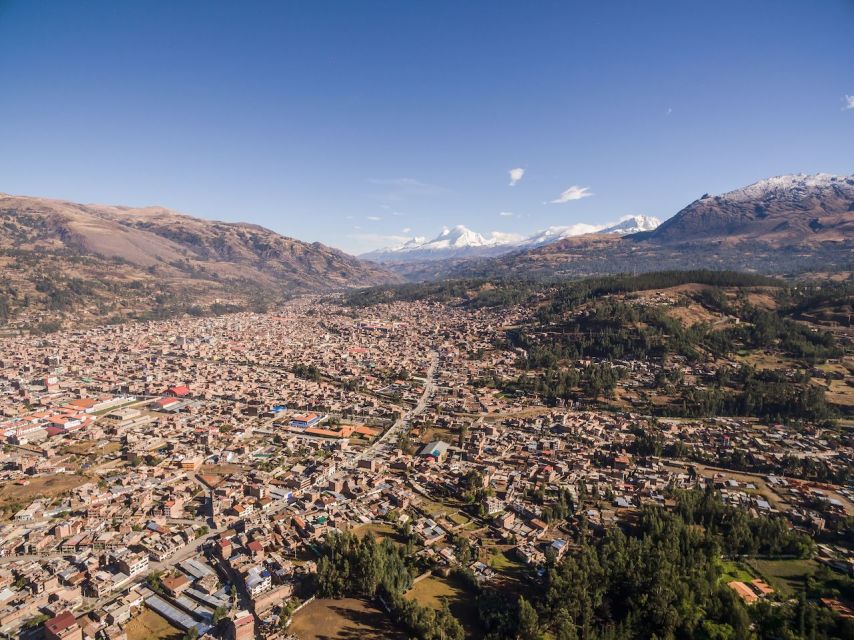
386, 441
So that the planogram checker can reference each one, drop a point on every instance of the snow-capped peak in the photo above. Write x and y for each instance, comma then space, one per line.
633, 224
788, 186
459, 237
460, 241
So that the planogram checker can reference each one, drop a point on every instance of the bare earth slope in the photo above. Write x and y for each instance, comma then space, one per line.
52, 242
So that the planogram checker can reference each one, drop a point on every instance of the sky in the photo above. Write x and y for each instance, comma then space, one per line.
361, 123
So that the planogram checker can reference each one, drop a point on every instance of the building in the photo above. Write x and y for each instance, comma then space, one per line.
178, 391
306, 419
63, 627
133, 563
436, 451
242, 626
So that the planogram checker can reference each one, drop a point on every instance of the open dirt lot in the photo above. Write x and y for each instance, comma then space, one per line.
150, 626
345, 619
48, 487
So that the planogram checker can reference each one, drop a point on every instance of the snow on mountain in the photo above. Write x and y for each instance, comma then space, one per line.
460, 241
633, 224
790, 186
553, 234
626, 225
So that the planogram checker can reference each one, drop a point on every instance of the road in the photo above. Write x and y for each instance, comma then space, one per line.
387, 440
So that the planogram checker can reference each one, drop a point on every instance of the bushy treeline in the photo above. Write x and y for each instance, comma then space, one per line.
471, 293
608, 330
612, 329
569, 295
350, 567
495, 292
662, 579
559, 383
773, 400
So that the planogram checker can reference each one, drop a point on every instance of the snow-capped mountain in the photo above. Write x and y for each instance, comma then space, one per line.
633, 224
626, 225
462, 242
456, 242
790, 210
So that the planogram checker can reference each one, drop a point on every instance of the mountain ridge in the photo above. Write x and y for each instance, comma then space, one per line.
785, 225
177, 261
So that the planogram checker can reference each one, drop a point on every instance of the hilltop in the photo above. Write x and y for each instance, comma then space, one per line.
66, 262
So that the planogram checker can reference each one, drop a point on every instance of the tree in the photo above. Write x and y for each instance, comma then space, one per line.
219, 613
529, 621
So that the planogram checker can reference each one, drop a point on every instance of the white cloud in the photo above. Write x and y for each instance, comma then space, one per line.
573, 193
406, 230
506, 214
374, 218
516, 175
505, 238
849, 102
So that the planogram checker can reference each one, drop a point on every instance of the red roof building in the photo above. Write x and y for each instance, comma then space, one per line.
179, 391
63, 627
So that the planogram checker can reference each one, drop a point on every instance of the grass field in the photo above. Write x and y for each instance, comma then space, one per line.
512, 575
345, 619
458, 518
431, 591
151, 626
786, 576
735, 571
379, 530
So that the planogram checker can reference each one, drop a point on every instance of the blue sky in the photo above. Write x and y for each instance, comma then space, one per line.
350, 122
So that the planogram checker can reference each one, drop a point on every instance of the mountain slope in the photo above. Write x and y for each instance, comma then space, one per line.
48, 243
785, 225
786, 210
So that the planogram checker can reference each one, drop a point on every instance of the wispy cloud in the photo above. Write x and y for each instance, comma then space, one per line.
515, 175
406, 230
506, 214
397, 189
374, 218
358, 243
505, 238
849, 102
573, 193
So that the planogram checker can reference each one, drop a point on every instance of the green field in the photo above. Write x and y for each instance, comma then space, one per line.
735, 571
786, 576
378, 530
433, 590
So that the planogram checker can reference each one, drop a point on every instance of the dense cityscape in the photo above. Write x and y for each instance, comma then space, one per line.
197, 473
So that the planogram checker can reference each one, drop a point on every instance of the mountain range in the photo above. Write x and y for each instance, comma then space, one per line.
787, 225
65, 264
462, 242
